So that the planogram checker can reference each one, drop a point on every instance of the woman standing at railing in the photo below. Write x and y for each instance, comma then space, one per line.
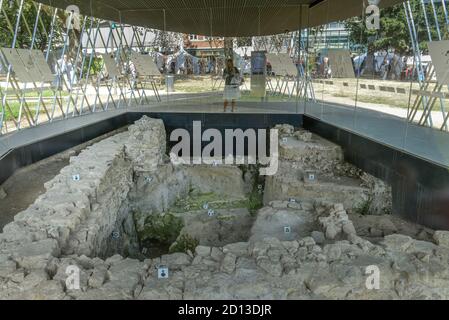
233, 81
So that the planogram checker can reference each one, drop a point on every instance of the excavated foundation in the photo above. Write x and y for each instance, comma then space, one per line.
121, 210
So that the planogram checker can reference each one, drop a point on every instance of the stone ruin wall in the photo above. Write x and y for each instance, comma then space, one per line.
302, 153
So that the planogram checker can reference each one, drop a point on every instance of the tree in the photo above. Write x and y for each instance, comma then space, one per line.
8, 20
165, 40
394, 31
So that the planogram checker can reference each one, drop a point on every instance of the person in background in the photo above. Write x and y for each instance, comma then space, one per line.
173, 66
384, 68
396, 66
134, 74
318, 64
232, 83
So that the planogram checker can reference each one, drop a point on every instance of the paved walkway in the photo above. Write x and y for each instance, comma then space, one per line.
426, 143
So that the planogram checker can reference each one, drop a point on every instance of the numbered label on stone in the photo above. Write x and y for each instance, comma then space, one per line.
148, 179
205, 206
162, 272
211, 213
76, 177
115, 235
287, 230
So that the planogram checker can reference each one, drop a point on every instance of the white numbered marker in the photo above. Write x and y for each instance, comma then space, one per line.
115, 235
162, 272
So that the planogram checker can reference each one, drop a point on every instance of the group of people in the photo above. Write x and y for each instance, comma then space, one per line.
322, 68
189, 65
393, 68
232, 75
387, 67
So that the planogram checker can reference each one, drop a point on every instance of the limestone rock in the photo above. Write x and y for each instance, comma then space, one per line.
283, 224
333, 252
397, 242
98, 278
176, 260
36, 255
337, 223
3, 194
442, 238
239, 249
7, 267
202, 251
273, 268
319, 237
228, 263
147, 144
303, 135
216, 254
284, 129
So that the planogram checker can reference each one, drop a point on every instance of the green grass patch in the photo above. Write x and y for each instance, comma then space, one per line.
161, 229
364, 208
195, 202
385, 101
14, 108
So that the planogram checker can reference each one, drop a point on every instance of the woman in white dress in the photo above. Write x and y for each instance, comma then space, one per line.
232, 84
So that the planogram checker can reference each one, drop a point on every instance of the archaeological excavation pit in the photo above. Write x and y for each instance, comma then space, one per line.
177, 209
121, 210
147, 207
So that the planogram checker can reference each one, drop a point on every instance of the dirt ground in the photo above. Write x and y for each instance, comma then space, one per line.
26, 185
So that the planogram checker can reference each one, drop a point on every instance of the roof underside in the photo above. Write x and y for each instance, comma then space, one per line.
230, 18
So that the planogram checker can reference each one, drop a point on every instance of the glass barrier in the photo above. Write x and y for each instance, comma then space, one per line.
336, 72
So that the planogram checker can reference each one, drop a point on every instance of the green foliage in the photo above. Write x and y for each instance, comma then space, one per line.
394, 30
162, 229
95, 68
184, 243
195, 201
8, 20
364, 208
255, 198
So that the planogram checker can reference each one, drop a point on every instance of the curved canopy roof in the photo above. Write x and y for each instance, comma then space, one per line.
229, 18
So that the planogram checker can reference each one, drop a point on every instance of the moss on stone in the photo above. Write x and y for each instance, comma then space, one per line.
162, 229
215, 201
225, 218
184, 243
364, 208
